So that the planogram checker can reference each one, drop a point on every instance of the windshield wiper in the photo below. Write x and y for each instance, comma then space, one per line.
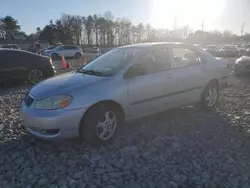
91, 72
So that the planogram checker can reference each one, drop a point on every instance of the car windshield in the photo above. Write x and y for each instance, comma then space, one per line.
112, 61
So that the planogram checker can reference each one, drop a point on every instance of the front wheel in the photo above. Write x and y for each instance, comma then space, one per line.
35, 76
210, 95
100, 125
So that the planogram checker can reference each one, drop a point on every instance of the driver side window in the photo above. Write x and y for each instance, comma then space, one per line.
60, 48
154, 61
184, 57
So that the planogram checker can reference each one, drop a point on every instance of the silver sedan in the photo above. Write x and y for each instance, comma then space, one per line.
121, 85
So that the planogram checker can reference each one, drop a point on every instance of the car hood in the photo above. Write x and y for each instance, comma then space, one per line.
63, 84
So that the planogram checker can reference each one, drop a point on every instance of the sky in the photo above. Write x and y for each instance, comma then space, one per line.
216, 14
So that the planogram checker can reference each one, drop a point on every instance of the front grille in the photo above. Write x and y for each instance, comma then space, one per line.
28, 100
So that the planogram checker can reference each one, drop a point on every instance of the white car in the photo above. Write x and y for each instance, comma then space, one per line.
123, 84
64, 50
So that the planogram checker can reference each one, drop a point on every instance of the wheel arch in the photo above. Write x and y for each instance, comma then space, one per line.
214, 81
118, 107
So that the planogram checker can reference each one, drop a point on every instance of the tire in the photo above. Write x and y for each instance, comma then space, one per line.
55, 57
100, 124
35, 75
78, 55
210, 95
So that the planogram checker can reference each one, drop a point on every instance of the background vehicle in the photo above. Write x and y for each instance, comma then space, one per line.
35, 47
49, 48
242, 51
242, 65
19, 64
142, 79
64, 50
96, 49
229, 51
212, 49
10, 46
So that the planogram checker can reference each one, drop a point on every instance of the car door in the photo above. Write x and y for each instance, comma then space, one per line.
190, 76
69, 51
61, 51
12, 65
151, 85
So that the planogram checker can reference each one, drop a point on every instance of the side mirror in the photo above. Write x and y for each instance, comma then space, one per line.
134, 71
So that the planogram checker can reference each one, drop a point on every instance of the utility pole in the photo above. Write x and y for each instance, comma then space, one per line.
175, 23
202, 25
202, 30
242, 28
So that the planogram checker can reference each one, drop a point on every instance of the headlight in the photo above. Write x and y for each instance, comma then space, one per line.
51, 103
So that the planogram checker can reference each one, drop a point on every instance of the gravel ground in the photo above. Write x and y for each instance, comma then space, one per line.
185, 147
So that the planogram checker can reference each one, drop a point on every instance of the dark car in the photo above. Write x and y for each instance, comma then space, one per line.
19, 64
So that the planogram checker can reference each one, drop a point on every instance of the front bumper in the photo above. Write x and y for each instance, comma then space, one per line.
51, 124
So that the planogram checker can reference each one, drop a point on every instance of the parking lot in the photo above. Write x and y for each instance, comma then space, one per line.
185, 147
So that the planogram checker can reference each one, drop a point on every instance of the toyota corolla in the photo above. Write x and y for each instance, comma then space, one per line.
121, 85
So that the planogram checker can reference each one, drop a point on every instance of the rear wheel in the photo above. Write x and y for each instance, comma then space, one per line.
210, 95
100, 124
78, 55
35, 76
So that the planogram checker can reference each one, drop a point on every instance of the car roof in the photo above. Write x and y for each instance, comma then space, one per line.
146, 45
8, 45
15, 50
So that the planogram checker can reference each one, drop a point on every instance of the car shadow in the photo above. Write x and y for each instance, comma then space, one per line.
13, 86
175, 122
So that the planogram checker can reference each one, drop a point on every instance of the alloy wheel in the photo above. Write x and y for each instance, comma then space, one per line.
106, 125
35, 76
211, 97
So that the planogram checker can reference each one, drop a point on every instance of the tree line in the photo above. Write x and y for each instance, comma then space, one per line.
106, 30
